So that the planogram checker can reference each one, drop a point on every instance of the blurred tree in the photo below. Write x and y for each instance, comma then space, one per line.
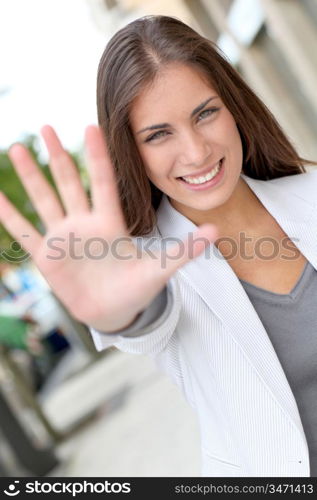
10, 184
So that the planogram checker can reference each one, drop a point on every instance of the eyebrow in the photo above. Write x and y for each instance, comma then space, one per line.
193, 113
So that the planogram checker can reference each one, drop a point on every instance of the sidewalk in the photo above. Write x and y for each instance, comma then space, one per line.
144, 426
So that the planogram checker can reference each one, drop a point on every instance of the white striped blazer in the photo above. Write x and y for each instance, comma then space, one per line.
212, 344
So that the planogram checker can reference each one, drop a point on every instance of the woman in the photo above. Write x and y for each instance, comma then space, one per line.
198, 161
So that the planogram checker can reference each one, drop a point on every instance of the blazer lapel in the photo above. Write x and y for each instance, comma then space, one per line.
296, 216
217, 284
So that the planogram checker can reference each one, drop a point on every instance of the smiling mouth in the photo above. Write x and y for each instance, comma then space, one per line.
201, 179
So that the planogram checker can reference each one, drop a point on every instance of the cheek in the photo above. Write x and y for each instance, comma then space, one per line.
226, 125
153, 171
238, 143
231, 139
157, 163
232, 132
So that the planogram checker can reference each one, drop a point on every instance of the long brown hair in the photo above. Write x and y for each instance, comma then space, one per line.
132, 59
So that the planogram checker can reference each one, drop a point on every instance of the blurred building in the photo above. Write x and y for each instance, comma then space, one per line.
272, 43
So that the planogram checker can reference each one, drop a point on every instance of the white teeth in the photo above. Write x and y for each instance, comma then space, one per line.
205, 178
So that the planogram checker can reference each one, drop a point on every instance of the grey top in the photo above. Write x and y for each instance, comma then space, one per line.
291, 324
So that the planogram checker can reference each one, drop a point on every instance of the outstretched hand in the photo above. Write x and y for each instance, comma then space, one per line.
103, 289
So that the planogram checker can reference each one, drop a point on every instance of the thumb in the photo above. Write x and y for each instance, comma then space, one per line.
181, 253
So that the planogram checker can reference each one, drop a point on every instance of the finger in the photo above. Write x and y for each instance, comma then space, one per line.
41, 193
104, 190
183, 252
66, 176
19, 228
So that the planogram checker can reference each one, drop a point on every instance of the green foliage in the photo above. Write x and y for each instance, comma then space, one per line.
11, 185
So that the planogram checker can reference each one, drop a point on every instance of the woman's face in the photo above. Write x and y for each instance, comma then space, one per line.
183, 129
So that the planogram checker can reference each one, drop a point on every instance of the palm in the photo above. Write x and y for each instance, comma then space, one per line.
79, 258
76, 255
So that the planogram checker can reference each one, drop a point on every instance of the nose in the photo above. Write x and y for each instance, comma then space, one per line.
195, 150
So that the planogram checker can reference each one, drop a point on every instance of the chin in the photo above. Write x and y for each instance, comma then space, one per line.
206, 206
211, 201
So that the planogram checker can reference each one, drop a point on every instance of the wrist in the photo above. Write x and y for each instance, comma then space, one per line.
115, 327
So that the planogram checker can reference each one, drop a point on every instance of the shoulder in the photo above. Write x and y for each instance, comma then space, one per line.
301, 185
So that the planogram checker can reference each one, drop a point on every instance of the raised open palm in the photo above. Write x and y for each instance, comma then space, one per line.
102, 288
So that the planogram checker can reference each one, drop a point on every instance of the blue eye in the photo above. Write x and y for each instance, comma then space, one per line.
157, 135
206, 113
162, 133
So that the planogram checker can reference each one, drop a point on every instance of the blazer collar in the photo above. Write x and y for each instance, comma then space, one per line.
214, 280
296, 215
281, 198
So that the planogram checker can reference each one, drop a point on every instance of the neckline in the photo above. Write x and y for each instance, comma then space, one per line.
291, 295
